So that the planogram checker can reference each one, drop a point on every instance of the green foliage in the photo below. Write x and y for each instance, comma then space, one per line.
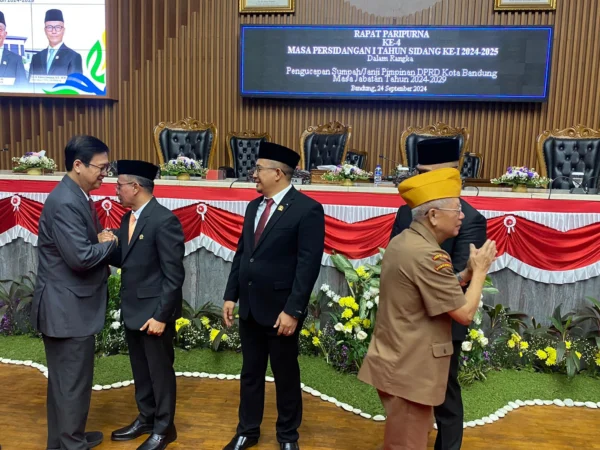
15, 304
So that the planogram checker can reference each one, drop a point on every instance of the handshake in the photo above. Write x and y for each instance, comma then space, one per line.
107, 236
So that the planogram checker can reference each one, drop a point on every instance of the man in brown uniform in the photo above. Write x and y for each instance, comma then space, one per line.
409, 355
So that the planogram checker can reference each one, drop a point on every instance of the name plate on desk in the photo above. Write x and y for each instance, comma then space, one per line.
7, 81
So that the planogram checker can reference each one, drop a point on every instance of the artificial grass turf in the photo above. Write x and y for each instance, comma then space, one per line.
480, 399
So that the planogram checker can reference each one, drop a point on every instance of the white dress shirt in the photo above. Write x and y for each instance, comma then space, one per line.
139, 211
277, 198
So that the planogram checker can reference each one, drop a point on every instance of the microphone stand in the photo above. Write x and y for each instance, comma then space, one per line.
558, 178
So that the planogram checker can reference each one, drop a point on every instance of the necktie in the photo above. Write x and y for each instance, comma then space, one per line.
263, 221
94, 216
132, 222
51, 53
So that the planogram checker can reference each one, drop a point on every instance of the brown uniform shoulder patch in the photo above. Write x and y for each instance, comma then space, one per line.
439, 256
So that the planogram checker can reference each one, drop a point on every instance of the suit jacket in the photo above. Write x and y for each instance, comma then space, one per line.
279, 274
71, 290
66, 62
152, 271
409, 353
11, 66
473, 231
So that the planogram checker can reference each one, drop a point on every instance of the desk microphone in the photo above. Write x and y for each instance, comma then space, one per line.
388, 159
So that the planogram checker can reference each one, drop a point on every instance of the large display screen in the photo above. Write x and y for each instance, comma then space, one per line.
53, 47
427, 62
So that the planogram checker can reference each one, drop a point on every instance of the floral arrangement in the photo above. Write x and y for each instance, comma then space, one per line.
34, 160
183, 165
521, 176
346, 172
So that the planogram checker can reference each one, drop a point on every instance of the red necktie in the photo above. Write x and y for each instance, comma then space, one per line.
263, 221
94, 215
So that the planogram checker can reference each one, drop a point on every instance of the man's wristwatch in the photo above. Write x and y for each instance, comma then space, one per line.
462, 282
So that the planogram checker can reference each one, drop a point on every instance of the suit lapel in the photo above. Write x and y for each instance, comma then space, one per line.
249, 223
3, 63
74, 187
285, 204
139, 226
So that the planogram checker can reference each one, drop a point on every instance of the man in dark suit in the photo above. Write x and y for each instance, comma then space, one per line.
150, 255
433, 154
70, 297
275, 267
11, 64
57, 59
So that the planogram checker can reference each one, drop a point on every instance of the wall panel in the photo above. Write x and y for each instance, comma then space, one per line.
179, 58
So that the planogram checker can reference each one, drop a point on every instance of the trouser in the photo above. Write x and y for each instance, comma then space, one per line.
407, 424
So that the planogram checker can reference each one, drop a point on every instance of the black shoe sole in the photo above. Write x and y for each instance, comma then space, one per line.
122, 439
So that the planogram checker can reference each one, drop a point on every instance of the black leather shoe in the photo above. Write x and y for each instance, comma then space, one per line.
289, 446
133, 431
241, 443
159, 441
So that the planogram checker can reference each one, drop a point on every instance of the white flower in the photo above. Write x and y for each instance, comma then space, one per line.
367, 295
370, 304
477, 320
116, 315
377, 300
338, 327
330, 304
330, 294
481, 303
480, 333
115, 325
484, 341
361, 335
374, 291
357, 329
336, 299
325, 287
467, 346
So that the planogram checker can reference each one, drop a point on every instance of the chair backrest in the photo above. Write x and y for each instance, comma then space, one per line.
561, 152
357, 158
188, 137
243, 148
324, 145
413, 135
471, 165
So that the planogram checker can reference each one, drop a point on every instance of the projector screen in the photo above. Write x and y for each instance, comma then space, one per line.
410, 63
53, 47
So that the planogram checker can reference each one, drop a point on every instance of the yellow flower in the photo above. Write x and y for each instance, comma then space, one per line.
597, 359
515, 337
305, 332
541, 354
346, 302
568, 345
181, 322
473, 334
213, 334
118, 271
523, 345
367, 323
511, 344
354, 306
320, 333
521, 354
348, 328
224, 337
362, 272
316, 341
578, 355
205, 321
551, 356
354, 321
347, 314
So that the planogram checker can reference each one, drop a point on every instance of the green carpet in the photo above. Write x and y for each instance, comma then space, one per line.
480, 399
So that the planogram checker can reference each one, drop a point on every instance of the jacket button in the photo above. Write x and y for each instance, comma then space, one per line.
251, 260
444, 351
249, 283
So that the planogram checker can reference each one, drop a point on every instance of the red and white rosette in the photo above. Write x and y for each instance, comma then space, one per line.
510, 222
201, 209
107, 206
15, 201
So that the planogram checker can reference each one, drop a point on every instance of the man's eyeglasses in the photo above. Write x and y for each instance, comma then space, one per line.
261, 168
58, 28
104, 168
456, 210
120, 185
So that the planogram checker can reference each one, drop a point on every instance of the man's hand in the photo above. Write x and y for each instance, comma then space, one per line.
228, 307
481, 259
286, 324
107, 236
154, 327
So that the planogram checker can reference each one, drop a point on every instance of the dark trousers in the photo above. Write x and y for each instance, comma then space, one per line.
70, 374
260, 343
449, 415
152, 359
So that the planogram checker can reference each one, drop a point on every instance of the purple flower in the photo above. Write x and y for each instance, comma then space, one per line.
486, 355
